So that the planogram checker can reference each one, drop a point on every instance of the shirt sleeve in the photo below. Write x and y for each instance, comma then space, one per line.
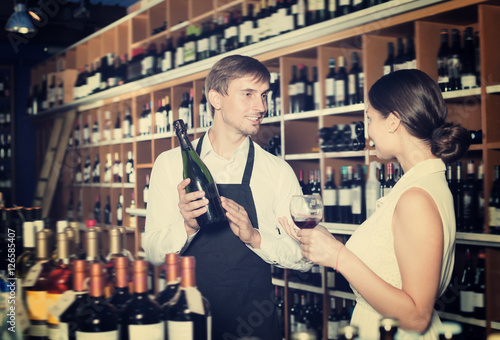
164, 230
277, 247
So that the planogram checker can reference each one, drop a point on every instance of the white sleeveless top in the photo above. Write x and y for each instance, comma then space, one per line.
373, 243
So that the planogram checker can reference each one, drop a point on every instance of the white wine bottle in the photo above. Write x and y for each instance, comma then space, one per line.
201, 179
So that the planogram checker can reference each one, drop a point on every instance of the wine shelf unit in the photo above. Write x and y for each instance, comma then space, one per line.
366, 32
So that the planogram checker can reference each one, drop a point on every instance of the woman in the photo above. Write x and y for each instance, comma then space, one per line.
400, 260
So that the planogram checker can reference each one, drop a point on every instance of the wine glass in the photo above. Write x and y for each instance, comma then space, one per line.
306, 212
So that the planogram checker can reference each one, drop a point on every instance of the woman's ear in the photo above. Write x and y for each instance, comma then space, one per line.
393, 121
215, 99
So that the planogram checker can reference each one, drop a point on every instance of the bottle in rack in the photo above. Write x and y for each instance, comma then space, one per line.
129, 168
86, 170
188, 312
372, 188
344, 192
119, 211
389, 62
330, 84
467, 301
292, 91
358, 197
96, 171
201, 179
454, 61
330, 199
468, 74
458, 198
128, 126
479, 286
97, 209
117, 169
68, 319
333, 321
399, 60
355, 81
101, 319
108, 169
470, 199
442, 61
341, 84
172, 272
117, 131
389, 181
121, 295
145, 192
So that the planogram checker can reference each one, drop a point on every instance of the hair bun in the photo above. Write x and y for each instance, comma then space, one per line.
450, 142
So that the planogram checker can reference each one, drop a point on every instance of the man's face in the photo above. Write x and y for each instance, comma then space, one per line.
244, 106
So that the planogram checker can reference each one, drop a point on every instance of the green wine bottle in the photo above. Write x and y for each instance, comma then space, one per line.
201, 179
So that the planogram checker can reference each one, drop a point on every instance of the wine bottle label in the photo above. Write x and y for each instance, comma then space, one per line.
333, 329
330, 87
63, 331
340, 90
344, 2
468, 81
179, 330
387, 69
467, 301
194, 300
292, 90
479, 300
32, 276
352, 84
300, 88
344, 197
330, 197
154, 331
63, 302
37, 305
356, 200
51, 301
111, 335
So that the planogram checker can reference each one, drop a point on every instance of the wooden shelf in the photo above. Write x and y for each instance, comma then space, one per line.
493, 89
462, 93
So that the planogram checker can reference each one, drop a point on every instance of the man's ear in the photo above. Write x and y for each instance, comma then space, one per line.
215, 99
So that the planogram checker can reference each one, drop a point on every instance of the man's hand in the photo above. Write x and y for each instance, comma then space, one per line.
240, 223
191, 206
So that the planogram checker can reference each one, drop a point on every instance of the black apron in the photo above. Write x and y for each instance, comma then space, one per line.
236, 281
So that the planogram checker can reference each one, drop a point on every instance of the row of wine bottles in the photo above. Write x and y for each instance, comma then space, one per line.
343, 137
354, 199
114, 172
59, 303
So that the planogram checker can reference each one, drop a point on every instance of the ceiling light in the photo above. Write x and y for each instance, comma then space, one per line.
20, 21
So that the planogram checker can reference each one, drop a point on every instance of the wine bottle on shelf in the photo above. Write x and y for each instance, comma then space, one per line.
36, 284
468, 74
330, 199
86, 170
470, 198
354, 86
372, 188
95, 131
358, 197
294, 313
121, 295
189, 312
389, 62
96, 172
333, 320
129, 168
201, 179
341, 84
60, 279
479, 286
344, 315
145, 192
389, 181
68, 319
316, 90
142, 315
399, 60
458, 199
97, 209
301, 181
99, 320
117, 169
107, 126
52, 92
119, 211
344, 7
454, 61
172, 272
479, 225
330, 84
292, 91
117, 131
127, 127
442, 61
300, 90
410, 55
86, 131
344, 193
108, 169
466, 287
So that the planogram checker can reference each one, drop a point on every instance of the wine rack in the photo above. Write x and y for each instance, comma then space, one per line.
366, 32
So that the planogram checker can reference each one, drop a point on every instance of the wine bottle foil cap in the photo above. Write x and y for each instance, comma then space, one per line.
91, 223
79, 266
96, 269
172, 258
188, 262
179, 126
140, 266
121, 262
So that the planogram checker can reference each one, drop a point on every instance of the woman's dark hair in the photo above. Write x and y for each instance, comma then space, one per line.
417, 100
233, 67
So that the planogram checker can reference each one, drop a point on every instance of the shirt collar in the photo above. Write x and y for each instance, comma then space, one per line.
208, 149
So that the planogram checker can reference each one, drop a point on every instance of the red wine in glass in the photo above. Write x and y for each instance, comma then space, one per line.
307, 223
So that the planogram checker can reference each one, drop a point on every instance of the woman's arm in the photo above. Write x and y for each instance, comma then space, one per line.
418, 243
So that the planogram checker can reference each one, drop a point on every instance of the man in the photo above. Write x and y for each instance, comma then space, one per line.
232, 265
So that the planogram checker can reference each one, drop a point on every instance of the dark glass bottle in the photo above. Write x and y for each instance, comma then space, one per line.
389, 62
68, 320
300, 90
458, 198
468, 75
121, 294
97, 318
454, 61
479, 286
355, 96
333, 320
292, 91
344, 192
142, 315
466, 287
180, 315
330, 84
358, 207
172, 271
201, 179
390, 182
400, 60
330, 199
341, 84
470, 198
